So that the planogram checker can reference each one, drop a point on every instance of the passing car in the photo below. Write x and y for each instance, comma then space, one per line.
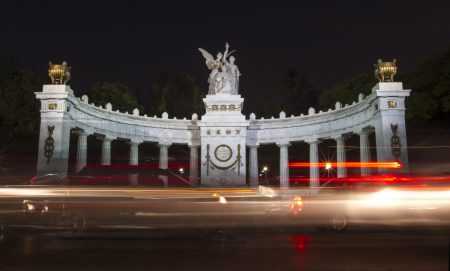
72, 205
399, 203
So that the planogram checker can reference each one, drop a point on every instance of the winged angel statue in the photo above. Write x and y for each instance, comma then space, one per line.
224, 76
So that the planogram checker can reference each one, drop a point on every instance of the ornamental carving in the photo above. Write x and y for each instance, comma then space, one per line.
392, 104
52, 106
222, 153
49, 143
59, 73
222, 107
395, 142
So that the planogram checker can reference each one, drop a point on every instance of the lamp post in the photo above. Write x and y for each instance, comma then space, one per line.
264, 170
181, 170
328, 168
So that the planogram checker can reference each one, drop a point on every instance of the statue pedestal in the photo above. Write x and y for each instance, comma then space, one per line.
223, 131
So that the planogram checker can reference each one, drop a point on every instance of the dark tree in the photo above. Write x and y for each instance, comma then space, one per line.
120, 96
178, 95
19, 109
430, 95
295, 94
347, 91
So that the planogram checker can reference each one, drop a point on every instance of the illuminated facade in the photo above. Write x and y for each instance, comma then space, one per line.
223, 135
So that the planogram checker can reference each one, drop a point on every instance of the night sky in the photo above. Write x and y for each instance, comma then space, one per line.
130, 41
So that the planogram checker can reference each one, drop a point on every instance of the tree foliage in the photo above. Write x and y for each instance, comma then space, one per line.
176, 94
295, 94
347, 91
430, 96
120, 96
19, 109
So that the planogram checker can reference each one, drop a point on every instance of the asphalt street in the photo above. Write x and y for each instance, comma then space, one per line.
277, 249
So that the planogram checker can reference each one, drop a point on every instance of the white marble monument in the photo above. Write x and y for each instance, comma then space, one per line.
223, 134
223, 127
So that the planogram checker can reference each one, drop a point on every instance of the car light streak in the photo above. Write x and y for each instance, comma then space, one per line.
329, 165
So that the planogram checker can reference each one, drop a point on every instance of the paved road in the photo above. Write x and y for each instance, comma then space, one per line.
367, 249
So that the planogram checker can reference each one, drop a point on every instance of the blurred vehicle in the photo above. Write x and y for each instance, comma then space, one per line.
336, 206
119, 175
93, 201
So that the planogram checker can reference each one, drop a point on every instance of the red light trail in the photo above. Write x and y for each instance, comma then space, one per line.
345, 164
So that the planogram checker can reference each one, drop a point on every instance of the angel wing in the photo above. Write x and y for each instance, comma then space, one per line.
211, 63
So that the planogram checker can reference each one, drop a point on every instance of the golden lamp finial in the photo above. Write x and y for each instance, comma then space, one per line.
59, 73
385, 71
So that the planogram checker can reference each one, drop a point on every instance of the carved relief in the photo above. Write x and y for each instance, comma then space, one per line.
392, 104
49, 143
395, 142
223, 153
52, 106
222, 108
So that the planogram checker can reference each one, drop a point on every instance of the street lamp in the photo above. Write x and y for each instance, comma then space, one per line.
181, 170
264, 170
328, 168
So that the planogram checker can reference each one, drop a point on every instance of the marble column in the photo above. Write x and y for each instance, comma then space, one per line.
106, 151
253, 180
163, 155
314, 167
284, 167
81, 151
193, 164
364, 151
163, 162
340, 157
134, 152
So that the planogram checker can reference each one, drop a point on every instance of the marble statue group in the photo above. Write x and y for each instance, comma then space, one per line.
224, 76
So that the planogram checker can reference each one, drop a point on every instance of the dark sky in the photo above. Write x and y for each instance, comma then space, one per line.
129, 41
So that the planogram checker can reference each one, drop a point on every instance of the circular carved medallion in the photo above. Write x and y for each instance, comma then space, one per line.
223, 153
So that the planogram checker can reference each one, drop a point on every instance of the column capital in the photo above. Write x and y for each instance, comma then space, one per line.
253, 146
194, 145
164, 144
135, 141
339, 137
107, 138
283, 144
366, 131
313, 141
80, 133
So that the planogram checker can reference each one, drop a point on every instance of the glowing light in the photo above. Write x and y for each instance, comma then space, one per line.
329, 165
222, 200
297, 203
